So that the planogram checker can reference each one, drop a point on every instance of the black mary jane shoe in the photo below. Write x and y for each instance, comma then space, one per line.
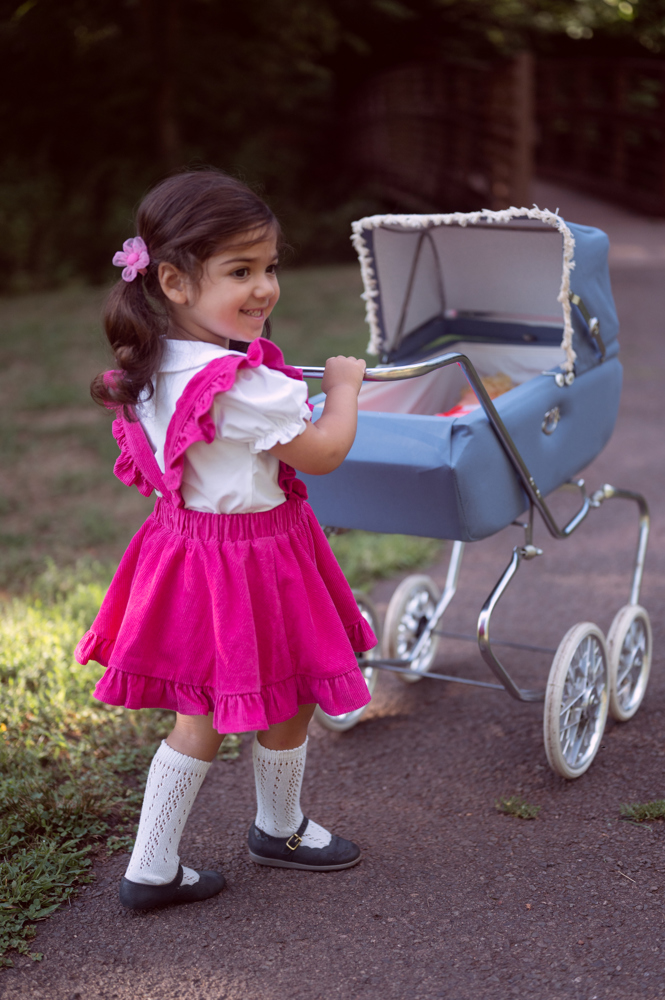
289, 852
136, 896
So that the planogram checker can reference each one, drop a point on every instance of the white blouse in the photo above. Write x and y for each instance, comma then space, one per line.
235, 473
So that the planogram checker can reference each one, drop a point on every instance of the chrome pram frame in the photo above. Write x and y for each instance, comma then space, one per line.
588, 702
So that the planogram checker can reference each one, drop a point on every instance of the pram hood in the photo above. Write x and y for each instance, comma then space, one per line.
429, 279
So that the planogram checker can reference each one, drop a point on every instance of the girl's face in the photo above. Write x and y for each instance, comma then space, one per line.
237, 292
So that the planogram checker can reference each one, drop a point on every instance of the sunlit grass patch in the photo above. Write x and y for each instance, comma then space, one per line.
71, 769
643, 812
515, 805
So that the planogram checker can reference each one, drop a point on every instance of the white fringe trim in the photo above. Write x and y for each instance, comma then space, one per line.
371, 293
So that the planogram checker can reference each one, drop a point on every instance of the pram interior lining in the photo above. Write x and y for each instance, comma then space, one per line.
440, 334
499, 279
441, 390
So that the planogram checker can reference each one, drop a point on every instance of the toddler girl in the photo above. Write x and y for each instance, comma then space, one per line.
228, 607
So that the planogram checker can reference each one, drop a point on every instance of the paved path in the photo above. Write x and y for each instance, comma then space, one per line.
451, 900
636, 241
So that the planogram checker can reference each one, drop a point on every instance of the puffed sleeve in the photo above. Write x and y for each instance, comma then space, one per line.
262, 409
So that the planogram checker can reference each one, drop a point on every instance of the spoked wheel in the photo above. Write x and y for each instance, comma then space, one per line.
576, 701
629, 649
340, 723
411, 607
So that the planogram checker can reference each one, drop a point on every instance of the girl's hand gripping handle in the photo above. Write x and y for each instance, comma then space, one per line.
323, 446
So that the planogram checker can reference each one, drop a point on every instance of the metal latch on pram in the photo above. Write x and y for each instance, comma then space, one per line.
593, 324
561, 379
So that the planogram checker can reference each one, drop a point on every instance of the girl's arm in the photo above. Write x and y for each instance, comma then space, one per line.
324, 445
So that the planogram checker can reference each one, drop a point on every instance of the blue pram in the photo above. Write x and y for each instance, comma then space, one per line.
452, 299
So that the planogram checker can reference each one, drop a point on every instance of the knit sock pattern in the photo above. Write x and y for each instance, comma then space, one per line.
172, 786
278, 775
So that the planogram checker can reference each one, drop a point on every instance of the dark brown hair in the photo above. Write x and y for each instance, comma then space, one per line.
184, 220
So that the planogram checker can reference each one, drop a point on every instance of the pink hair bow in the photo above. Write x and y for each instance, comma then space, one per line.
133, 257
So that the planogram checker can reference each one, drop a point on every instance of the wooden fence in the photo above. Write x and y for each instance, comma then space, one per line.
601, 127
446, 137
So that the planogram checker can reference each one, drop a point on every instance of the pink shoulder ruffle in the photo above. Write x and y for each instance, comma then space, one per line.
289, 484
192, 420
125, 468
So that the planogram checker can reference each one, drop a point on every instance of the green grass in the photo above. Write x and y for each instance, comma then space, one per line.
63, 758
320, 313
643, 812
366, 557
514, 805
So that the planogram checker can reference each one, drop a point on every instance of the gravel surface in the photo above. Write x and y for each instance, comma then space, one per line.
451, 899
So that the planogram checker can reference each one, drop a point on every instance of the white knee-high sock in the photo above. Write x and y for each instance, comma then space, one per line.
278, 775
173, 783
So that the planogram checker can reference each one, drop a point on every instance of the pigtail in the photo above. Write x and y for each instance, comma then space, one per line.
135, 331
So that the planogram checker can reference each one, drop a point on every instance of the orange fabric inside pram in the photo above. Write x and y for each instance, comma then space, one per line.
495, 385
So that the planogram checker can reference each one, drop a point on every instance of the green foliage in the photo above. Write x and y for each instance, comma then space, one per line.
515, 805
34, 882
643, 812
260, 88
366, 557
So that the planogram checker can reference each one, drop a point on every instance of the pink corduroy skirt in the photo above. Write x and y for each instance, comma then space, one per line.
247, 616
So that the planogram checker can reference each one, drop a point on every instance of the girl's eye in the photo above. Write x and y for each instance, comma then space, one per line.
243, 272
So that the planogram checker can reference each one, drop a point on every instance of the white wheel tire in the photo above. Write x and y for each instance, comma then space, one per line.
410, 607
629, 645
340, 723
573, 723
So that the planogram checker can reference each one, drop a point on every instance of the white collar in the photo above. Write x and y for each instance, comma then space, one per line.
181, 355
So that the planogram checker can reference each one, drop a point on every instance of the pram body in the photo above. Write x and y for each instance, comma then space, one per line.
452, 298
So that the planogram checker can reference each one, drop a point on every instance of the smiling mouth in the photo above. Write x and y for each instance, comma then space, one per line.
253, 313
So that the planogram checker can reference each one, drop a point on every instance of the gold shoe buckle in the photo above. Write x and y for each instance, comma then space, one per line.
297, 842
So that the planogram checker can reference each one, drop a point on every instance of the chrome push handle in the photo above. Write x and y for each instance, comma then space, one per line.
397, 372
